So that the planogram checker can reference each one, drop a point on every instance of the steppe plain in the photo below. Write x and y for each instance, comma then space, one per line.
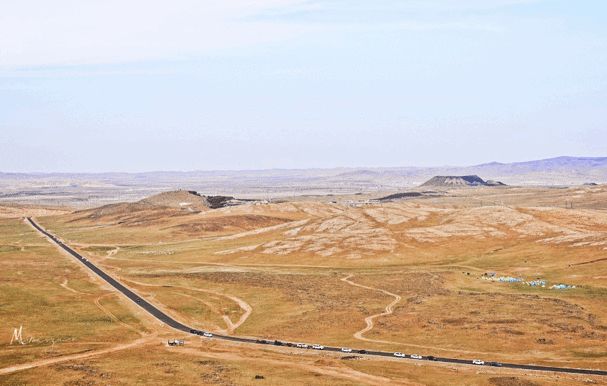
408, 275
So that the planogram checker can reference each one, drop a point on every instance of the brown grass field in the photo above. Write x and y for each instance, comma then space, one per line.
404, 276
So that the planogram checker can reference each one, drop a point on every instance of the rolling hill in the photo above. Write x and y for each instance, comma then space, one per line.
96, 189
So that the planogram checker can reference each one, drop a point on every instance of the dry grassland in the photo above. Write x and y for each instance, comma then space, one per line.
403, 276
59, 309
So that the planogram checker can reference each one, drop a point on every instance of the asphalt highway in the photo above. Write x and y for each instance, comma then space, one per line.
168, 320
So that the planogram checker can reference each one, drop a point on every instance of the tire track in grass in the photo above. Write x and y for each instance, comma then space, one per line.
369, 319
246, 307
47, 362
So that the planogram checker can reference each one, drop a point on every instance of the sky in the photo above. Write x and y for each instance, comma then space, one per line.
143, 85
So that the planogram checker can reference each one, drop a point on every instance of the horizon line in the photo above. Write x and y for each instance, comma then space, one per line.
304, 169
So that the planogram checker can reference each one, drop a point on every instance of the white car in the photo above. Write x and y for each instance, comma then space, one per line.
399, 355
478, 362
416, 356
208, 334
345, 349
301, 345
318, 347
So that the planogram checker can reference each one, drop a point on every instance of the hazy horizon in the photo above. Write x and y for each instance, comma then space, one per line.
352, 167
294, 84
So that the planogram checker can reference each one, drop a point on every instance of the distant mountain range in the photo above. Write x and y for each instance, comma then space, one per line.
281, 182
552, 171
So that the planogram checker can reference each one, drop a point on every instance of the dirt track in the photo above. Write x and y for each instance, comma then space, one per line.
369, 319
52, 361
246, 307
111, 315
388, 311
342, 372
164, 318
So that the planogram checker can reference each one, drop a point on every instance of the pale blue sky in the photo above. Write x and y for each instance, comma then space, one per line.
184, 85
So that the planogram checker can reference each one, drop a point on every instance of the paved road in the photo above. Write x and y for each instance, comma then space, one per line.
182, 327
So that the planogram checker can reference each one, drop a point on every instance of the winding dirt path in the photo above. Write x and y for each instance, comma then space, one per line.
246, 307
46, 362
388, 311
369, 319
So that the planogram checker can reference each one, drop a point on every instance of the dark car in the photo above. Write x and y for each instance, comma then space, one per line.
431, 357
278, 343
362, 351
495, 364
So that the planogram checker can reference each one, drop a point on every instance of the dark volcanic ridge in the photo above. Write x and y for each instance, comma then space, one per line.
442, 182
184, 199
406, 195
179, 200
460, 181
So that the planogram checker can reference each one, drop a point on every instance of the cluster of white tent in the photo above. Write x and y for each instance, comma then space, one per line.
491, 276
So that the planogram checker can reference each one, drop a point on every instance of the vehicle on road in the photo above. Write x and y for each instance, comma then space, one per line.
399, 355
168, 320
431, 357
363, 351
301, 345
318, 347
207, 334
416, 356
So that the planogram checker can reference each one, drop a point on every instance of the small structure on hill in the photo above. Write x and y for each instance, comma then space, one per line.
176, 342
